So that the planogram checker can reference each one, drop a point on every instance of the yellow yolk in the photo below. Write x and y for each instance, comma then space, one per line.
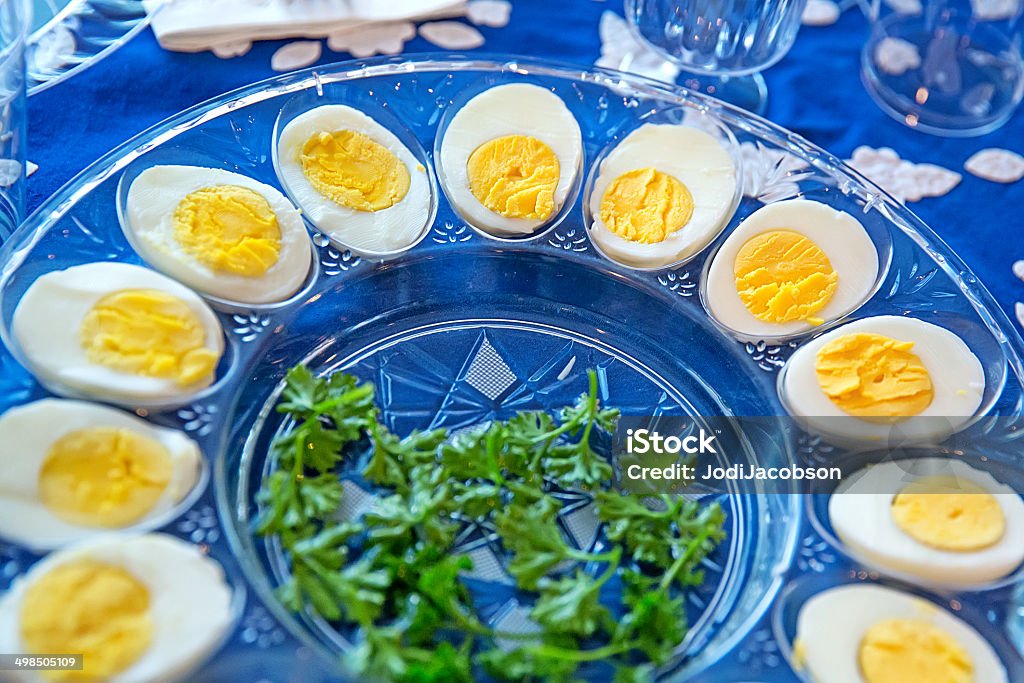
782, 276
353, 170
799, 654
874, 377
949, 514
646, 206
104, 477
901, 650
91, 608
514, 176
228, 228
147, 332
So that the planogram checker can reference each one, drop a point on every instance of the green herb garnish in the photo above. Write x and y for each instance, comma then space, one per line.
394, 572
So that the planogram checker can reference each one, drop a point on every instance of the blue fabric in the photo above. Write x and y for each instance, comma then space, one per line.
815, 91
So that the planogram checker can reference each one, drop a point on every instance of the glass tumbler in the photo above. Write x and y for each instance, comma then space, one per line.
721, 44
15, 16
947, 67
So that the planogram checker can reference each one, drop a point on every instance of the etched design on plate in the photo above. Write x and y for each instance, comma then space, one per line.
260, 629
244, 143
333, 260
486, 565
811, 447
450, 233
913, 289
569, 240
515, 620
96, 246
249, 326
200, 525
911, 282
489, 373
680, 283
582, 524
198, 419
355, 502
814, 555
759, 651
769, 357
701, 595
771, 174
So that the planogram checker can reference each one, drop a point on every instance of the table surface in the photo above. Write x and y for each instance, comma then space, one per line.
815, 91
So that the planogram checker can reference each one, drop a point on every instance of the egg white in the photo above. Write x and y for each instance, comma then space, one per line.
861, 515
513, 109
392, 229
190, 602
831, 625
693, 157
838, 234
46, 328
26, 435
149, 227
958, 381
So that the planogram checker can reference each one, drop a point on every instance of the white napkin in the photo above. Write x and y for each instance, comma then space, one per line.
196, 25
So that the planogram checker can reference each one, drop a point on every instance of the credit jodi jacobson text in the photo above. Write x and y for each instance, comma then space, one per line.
643, 441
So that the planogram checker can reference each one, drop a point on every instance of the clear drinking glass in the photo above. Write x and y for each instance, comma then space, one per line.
948, 67
15, 16
721, 44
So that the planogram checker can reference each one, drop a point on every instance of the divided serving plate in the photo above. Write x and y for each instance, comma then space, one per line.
463, 327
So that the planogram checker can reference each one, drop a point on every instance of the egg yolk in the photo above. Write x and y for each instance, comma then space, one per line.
230, 229
95, 609
353, 170
646, 205
900, 650
103, 477
514, 176
874, 377
948, 513
782, 276
147, 332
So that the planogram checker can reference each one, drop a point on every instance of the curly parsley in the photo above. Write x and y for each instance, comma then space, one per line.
394, 572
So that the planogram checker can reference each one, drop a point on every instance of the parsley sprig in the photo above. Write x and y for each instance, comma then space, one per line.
394, 573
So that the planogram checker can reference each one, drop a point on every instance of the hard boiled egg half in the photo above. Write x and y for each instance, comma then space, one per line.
937, 519
661, 195
354, 179
510, 158
69, 469
885, 379
119, 332
219, 232
872, 634
138, 608
789, 267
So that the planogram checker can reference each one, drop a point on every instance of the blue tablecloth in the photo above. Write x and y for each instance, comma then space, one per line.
815, 91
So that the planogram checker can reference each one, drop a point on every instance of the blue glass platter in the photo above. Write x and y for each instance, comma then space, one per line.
463, 328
